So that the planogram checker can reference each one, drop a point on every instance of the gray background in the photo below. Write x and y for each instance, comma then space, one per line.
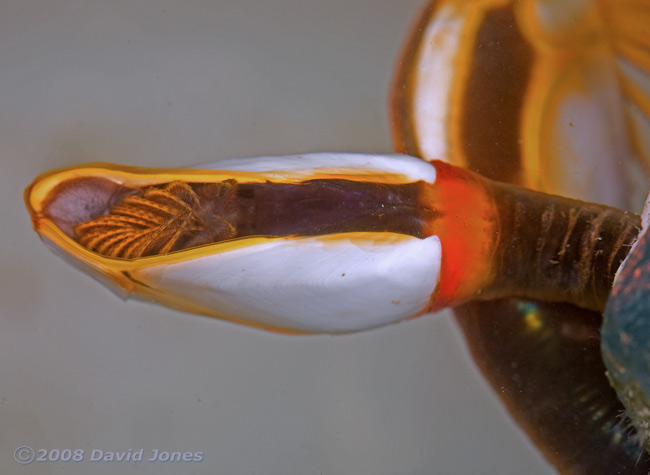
168, 83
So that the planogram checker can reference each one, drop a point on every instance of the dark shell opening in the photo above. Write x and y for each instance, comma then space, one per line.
120, 221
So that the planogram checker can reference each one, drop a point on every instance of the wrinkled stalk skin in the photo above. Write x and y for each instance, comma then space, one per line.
558, 249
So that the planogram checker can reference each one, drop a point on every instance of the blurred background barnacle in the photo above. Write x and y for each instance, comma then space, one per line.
552, 95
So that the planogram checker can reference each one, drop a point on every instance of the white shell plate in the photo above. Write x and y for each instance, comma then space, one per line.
344, 283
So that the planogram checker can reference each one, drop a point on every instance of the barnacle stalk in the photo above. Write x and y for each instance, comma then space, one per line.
558, 248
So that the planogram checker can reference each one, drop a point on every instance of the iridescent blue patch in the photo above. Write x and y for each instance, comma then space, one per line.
626, 337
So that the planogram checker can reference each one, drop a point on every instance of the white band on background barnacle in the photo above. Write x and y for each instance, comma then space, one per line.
645, 221
432, 107
645, 214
